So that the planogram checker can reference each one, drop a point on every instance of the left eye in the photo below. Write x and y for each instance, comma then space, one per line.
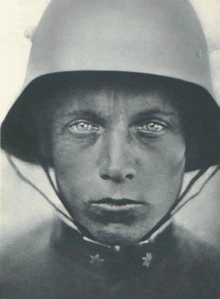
82, 127
152, 127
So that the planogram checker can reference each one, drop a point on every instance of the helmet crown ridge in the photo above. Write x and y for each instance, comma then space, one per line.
147, 36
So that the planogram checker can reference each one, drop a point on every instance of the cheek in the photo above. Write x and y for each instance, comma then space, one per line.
73, 158
169, 155
162, 167
74, 165
176, 156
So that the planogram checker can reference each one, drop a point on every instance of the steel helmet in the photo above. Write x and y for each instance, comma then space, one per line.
157, 37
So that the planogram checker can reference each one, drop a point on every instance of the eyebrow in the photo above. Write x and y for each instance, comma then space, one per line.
152, 112
97, 116
89, 114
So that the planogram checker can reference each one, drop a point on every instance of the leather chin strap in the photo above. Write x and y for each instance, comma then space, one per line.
199, 180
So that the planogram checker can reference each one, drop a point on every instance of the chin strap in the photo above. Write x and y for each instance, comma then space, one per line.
26, 180
199, 180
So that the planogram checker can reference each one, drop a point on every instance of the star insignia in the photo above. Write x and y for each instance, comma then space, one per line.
95, 259
147, 259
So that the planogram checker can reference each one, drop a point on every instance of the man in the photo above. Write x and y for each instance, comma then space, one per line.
117, 106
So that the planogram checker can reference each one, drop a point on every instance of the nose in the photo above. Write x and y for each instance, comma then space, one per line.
117, 159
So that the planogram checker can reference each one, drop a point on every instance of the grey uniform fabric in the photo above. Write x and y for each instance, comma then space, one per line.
56, 262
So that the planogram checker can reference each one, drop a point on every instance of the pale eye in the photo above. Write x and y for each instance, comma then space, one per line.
82, 127
152, 127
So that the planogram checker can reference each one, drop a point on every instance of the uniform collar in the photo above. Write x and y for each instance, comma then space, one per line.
75, 228
71, 244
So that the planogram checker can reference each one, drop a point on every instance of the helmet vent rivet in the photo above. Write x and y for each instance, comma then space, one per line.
199, 53
29, 32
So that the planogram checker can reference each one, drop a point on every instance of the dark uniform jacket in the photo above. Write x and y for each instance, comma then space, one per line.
61, 265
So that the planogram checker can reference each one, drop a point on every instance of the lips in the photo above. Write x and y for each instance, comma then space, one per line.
109, 202
120, 210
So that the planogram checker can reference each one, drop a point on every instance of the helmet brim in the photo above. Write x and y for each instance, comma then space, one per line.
200, 114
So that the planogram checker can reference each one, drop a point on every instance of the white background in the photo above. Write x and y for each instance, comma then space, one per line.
23, 208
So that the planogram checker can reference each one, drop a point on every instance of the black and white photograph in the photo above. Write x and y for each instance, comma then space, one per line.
110, 149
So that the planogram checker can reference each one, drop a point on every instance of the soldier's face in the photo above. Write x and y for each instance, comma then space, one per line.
119, 159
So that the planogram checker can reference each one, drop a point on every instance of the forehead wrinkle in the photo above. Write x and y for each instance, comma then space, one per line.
147, 103
118, 108
114, 100
93, 103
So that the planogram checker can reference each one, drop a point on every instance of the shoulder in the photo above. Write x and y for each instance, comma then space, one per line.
33, 268
25, 249
193, 247
199, 259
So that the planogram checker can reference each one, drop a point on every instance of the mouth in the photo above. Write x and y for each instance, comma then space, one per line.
119, 210
109, 203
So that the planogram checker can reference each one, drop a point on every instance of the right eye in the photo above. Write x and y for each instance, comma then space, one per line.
82, 127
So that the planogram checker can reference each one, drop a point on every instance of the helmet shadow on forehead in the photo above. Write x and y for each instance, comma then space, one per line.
27, 123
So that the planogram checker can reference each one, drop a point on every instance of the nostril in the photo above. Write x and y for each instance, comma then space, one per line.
130, 176
105, 177
117, 176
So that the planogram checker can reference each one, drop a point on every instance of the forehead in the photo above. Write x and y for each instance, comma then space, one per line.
111, 97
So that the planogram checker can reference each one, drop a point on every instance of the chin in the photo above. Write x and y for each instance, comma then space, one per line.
117, 236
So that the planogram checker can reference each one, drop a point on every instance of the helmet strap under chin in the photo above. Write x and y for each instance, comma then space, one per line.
198, 181
201, 177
